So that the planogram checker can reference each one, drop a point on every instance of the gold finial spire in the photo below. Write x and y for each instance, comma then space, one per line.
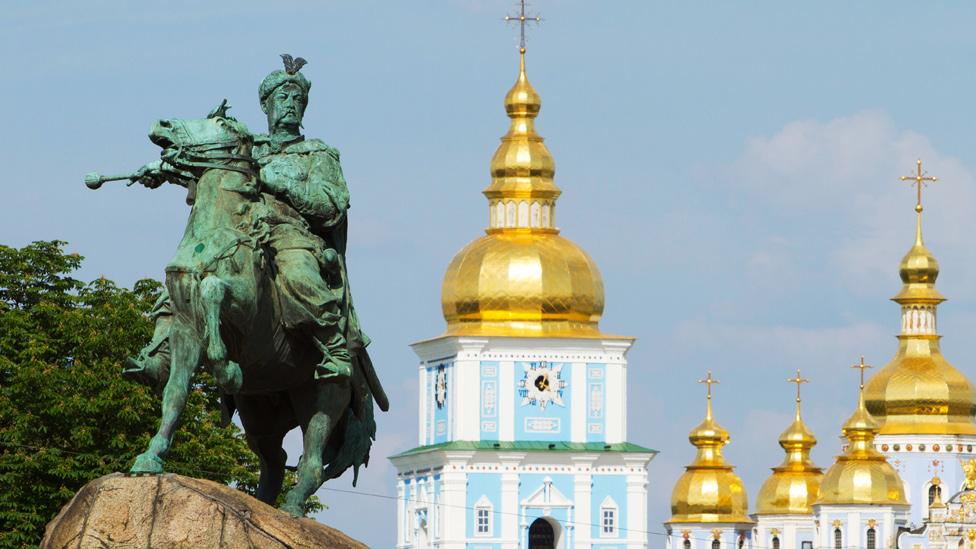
918, 180
522, 194
860, 423
860, 366
799, 381
522, 21
709, 381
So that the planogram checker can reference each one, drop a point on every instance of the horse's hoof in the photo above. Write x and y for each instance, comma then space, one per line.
293, 509
230, 378
147, 464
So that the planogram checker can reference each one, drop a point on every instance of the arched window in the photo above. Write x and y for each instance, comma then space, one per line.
775, 542
541, 535
523, 214
871, 539
716, 544
608, 518
534, 214
687, 544
935, 492
838, 539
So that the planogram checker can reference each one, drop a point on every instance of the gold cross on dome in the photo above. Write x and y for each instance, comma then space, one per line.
799, 381
918, 180
522, 19
862, 366
709, 381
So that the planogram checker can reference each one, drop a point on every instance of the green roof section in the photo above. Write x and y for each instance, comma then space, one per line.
528, 446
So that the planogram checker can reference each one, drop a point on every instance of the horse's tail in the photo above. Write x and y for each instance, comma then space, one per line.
349, 447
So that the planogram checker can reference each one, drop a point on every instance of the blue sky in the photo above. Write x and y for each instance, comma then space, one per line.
732, 167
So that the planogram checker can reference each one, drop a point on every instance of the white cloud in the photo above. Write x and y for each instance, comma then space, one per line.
844, 172
795, 346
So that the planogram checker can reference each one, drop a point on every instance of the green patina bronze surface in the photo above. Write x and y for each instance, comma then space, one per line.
257, 290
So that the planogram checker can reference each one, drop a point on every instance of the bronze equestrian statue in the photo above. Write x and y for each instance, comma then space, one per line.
258, 292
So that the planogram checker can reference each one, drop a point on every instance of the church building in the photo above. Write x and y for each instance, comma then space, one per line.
523, 399
905, 478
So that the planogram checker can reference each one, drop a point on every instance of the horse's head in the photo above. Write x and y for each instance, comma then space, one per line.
194, 146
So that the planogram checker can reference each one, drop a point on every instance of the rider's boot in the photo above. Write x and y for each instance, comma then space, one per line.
147, 370
336, 361
151, 366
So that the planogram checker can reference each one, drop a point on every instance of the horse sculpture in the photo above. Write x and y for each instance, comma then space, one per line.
221, 283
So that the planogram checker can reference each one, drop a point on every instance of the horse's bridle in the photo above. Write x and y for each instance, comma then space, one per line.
196, 155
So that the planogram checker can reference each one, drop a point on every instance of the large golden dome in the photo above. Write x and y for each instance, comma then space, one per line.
861, 475
522, 278
794, 484
919, 392
709, 490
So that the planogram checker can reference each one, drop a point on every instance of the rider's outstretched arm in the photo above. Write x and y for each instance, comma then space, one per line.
157, 172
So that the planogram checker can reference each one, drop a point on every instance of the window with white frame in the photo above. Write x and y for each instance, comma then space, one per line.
482, 517
609, 522
608, 518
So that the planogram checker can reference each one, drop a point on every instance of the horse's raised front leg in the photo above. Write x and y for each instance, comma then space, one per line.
186, 354
318, 410
227, 373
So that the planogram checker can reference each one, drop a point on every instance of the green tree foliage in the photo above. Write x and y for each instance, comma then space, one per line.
66, 414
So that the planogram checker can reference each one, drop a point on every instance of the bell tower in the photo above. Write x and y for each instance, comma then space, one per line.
523, 399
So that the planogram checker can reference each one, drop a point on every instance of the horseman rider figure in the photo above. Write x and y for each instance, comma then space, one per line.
305, 189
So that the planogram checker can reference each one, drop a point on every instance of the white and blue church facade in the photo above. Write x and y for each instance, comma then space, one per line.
905, 477
523, 400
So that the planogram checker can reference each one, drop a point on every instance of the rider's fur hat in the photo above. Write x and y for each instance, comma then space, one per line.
289, 74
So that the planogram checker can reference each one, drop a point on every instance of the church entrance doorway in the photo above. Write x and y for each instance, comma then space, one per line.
541, 535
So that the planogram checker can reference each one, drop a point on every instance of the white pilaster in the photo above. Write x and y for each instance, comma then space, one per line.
468, 399
583, 498
422, 404
453, 492
577, 386
510, 504
506, 400
636, 508
616, 403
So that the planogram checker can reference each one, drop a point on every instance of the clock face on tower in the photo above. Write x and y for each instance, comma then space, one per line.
542, 384
440, 387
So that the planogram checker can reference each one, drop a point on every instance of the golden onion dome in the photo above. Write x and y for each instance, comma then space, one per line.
709, 490
522, 278
861, 475
794, 484
918, 391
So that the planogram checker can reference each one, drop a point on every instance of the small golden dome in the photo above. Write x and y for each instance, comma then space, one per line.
918, 271
709, 490
795, 483
522, 279
919, 392
861, 475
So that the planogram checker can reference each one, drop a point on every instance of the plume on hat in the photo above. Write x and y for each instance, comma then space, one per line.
293, 65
